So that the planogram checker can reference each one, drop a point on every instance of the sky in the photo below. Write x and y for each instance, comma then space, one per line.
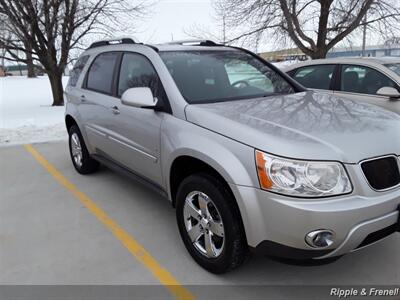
173, 19
169, 19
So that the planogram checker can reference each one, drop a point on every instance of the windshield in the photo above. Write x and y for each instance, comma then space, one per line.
214, 76
394, 67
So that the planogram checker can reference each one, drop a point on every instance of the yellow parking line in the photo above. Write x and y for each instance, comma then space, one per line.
134, 247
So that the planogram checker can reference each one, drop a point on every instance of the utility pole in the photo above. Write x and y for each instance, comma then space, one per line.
223, 30
364, 36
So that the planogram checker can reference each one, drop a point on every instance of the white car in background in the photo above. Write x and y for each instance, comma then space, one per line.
374, 80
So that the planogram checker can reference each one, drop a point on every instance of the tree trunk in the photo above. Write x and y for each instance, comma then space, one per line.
56, 88
29, 60
30, 66
319, 53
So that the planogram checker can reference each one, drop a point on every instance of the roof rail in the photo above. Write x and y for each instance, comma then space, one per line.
194, 43
113, 41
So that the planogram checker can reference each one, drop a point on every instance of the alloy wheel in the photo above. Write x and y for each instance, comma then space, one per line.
76, 149
204, 224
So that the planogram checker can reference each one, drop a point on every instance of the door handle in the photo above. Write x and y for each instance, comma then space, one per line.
83, 98
115, 110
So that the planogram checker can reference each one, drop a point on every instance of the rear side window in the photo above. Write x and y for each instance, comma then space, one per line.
137, 71
315, 77
77, 70
363, 80
100, 76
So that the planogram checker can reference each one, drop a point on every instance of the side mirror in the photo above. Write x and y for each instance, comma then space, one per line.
388, 91
140, 97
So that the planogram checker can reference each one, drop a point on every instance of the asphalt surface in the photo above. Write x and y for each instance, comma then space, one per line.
48, 237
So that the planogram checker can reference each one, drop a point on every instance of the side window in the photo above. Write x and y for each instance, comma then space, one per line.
100, 76
247, 75
315, 77
137, 71
255, 76
363, 80
77, 70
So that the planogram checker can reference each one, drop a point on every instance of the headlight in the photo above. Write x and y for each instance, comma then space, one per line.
301, 178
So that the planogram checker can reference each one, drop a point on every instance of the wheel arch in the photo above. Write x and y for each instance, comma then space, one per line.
203, 154
186, 165
69, 122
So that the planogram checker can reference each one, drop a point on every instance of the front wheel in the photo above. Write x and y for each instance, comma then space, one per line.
209, 223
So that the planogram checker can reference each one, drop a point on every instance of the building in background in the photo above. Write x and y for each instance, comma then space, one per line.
19, 70
371, 51
295, 54
284, 55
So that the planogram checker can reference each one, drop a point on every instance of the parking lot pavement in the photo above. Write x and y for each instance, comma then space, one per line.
47, 236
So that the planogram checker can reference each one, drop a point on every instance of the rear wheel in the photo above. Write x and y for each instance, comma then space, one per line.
80, 156
210, 224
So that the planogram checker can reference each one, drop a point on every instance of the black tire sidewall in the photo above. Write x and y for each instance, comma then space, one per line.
88, 164
234, 236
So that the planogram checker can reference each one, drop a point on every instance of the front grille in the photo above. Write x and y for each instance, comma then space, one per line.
382, 173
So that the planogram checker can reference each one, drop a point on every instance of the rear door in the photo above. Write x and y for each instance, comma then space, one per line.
97, 100
361, 83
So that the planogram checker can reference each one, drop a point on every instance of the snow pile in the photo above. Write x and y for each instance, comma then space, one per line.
26, 114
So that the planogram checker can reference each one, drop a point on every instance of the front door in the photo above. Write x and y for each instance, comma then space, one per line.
136, 132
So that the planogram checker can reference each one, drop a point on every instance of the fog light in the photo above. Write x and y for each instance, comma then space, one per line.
320, 238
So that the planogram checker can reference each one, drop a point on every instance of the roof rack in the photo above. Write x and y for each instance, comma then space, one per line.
194, 43
114, 41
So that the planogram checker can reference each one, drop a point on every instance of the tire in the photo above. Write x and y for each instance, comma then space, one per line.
85, 164
229, 248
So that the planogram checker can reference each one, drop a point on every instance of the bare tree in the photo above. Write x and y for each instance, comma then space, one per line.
395, 40
315, 26
203, 33
13, 47
3, 35
49, 29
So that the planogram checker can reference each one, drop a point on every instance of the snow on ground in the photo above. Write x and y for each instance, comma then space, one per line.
26, 114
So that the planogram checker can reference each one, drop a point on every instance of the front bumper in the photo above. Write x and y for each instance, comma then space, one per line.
277, 225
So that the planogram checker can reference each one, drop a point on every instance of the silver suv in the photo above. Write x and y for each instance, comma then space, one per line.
250, 159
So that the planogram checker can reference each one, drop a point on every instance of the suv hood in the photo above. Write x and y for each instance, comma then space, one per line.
307, 125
